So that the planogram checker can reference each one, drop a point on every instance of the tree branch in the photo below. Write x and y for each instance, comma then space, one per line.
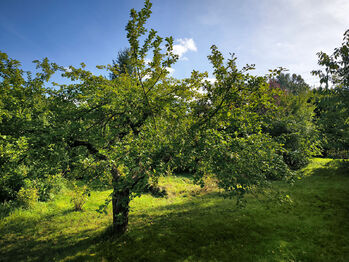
91, 149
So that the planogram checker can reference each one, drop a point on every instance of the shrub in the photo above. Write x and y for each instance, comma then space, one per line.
10, 184
27, 196
47, 188
79, 196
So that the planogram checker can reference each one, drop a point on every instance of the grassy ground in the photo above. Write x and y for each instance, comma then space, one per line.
192, 224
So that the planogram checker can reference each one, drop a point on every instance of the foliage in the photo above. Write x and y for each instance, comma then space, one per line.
10, 183
13, 114
293, 127
27, 196
332, 115
333, 104
50, 187
6, 207
227, 138
27, 145
243, 165
293, 84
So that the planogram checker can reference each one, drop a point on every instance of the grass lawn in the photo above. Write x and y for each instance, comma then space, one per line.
192, 224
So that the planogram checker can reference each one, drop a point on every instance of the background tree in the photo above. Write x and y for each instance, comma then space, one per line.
294, 83
333, 103
122, 64
336, 66
293, 125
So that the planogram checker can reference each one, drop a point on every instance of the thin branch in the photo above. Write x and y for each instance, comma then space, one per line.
90, 110
214, 112
145, 94
150, 88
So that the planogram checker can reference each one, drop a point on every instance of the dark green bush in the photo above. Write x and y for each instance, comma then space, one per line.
10, 184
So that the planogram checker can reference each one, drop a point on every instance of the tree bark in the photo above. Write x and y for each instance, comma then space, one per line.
120, 202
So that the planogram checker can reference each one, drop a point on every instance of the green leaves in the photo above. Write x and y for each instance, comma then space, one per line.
336, 65
332, 104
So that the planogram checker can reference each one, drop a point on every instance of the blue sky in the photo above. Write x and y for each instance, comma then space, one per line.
268, 33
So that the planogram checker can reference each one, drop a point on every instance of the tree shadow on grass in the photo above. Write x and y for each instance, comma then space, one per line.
161, 234
38, 239
209, 228
194, 232
191, 231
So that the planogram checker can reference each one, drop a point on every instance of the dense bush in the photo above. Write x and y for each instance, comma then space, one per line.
13, 171
332, 119
294, 127
10, 185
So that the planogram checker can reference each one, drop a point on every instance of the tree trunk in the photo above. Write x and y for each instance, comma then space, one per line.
120, 202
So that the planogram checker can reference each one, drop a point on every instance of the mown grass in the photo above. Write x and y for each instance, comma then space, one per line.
193, 224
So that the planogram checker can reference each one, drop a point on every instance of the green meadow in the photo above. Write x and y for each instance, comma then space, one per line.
304, 221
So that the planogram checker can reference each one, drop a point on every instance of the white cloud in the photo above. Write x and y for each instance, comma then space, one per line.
170, 70
147, 61
211, 79
184, 45
274, 33
184, 58
67, 69
292, 32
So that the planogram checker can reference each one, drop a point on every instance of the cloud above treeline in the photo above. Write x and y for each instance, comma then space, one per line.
273, 33
183, 46
294, 31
